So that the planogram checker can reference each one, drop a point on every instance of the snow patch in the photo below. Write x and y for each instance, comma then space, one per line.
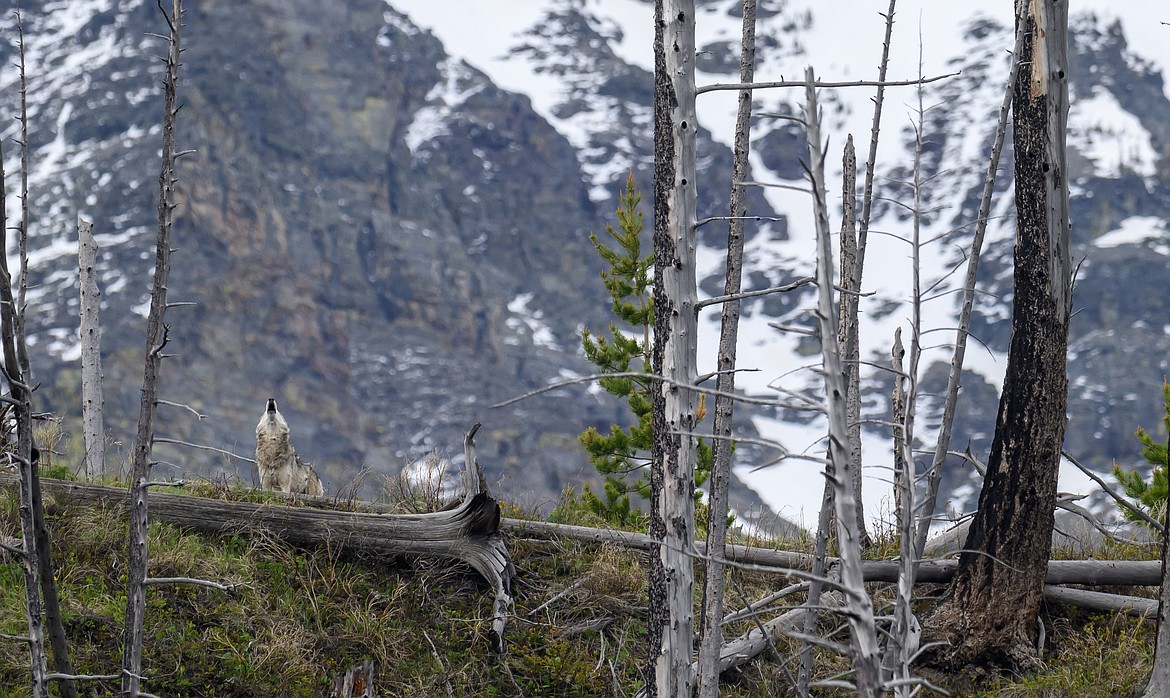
1134, 230
1100, 129
528, 321
458, 84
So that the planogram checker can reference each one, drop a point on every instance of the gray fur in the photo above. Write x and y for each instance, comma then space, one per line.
281, 469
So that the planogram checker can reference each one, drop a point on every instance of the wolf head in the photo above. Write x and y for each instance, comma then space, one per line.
272, 424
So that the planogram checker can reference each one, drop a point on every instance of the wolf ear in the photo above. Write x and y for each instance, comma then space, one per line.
271, 404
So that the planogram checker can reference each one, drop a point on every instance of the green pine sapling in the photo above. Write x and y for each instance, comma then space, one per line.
623, 455
1150, 496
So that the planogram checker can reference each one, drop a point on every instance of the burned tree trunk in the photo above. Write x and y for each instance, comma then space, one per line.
672, 481
990, 615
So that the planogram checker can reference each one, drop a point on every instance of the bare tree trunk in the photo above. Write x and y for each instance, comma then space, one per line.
991, 610
825, 518
853, 246
864, 649
905, 631
672, 578
848, 329
19, 392
898, 417
37, 558
156, 339
92, 403
711, 636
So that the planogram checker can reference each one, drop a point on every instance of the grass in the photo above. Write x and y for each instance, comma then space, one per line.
308, 614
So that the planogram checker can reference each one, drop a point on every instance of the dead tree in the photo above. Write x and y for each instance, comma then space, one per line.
43, 605
848, 328
711, 635
92, 402
864, 651
19, 396
156, 340
990, 615
672, 481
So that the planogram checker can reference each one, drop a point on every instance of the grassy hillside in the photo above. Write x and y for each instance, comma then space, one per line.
308, 614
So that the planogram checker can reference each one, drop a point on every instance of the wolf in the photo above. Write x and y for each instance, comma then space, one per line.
281, 469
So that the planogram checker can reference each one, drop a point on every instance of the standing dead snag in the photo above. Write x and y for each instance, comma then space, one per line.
37, 562
94, 462
19, 394
672, 480
711, 633
990, 614
156, 340
864, 649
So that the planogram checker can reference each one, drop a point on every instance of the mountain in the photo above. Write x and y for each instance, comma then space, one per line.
385, 221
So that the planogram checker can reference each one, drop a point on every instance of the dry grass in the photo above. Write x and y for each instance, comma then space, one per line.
308, 614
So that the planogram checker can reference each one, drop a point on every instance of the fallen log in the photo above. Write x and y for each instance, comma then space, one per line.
1084, 572
738, 652
1098, 601
469, 533
745, 554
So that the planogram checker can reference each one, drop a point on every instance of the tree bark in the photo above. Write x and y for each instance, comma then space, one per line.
991, 610
711, 635
864, 651
37, 561
94, 463
156, 339
848, 329
672, 578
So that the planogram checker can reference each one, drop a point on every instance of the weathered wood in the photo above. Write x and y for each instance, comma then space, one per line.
711, 630
94, 461
16, 375
356, 682
1083, 572
470, 533
672, 483
864, 650
1098, 601
156, 339
990, 616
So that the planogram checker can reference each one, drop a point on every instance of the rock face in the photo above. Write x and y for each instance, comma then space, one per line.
376, 209
377, 235
368, 229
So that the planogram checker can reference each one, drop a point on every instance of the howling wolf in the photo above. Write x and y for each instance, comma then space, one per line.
280, 467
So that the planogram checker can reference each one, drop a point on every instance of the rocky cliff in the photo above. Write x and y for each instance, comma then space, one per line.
390, 236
